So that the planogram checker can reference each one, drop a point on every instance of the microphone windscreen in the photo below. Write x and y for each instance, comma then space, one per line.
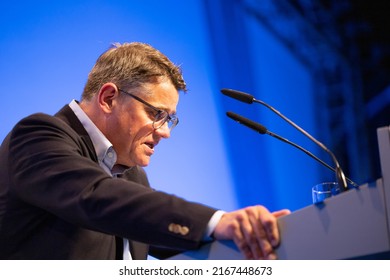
239, 95
247, 122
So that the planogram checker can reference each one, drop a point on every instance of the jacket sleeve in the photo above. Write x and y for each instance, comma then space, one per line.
51, 168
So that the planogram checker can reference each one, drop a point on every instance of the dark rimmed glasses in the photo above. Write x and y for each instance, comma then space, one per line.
161, 117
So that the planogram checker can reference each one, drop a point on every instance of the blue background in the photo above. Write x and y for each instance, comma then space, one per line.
48, 47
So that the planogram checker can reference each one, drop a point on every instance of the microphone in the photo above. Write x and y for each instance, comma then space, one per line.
247, 122
239, 95
263, 130
247, 98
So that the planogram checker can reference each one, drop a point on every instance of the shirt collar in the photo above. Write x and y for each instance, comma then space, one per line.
103, 147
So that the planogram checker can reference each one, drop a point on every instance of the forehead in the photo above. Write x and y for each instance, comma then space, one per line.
162, 95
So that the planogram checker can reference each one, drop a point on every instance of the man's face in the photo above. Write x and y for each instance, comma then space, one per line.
131, 125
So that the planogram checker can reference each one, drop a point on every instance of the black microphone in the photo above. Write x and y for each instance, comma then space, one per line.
247, 122
247, 98
239, 95
263, 130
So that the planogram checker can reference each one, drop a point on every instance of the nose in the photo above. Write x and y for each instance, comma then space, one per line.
164, 131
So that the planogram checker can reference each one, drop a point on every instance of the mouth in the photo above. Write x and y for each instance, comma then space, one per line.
150, 145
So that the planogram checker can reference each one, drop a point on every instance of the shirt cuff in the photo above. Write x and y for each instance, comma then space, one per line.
213, 224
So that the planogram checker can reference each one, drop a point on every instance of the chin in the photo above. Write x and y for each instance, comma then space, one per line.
143, 162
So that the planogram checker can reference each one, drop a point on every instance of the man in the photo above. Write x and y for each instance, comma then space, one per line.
72, 185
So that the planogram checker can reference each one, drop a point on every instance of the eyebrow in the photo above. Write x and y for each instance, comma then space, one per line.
148, 104
162, 107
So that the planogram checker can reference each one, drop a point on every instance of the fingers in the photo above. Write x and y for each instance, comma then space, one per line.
281, 213
237, 227
268, 232
240, 238
256, 233
250, 238
253, 229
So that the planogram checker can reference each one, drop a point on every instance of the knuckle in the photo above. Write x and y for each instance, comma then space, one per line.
241, 214
269, 221
250, 211
234, 227
267, 249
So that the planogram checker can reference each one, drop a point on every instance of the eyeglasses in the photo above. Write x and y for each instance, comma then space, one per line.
161, 117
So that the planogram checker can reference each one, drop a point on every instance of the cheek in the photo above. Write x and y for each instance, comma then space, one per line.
137, 138
142, 133
124, 137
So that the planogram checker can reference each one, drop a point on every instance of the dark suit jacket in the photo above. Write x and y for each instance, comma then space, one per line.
56, 202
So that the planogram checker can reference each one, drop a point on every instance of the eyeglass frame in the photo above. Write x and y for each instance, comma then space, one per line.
170, 119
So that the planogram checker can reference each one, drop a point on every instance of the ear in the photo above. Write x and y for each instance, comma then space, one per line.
107, 97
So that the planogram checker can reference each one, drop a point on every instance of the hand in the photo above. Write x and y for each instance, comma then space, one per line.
253, 229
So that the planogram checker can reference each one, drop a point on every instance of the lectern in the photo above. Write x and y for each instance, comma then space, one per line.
352, 225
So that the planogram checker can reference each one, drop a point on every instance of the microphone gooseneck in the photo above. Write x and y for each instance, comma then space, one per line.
263, 130
247, 98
